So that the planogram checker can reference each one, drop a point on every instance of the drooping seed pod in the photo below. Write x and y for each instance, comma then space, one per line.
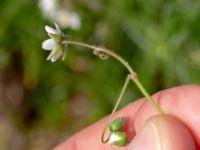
116, 125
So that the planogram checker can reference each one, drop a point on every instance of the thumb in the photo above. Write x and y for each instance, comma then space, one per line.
162, 132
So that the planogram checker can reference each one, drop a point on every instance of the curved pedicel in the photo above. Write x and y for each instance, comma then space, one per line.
56, 44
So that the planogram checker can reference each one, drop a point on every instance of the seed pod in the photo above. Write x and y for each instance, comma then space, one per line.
116, 125
118, 139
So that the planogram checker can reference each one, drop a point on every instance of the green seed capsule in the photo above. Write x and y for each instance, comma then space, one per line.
116, 125
118, 139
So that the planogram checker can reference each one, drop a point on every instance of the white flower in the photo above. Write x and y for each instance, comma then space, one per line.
52, 11
48, 8
68, 19
54, 43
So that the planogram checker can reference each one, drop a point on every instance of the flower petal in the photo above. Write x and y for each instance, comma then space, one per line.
56, 56
48, 44
51, 30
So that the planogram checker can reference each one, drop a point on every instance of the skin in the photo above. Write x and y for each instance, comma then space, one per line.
177, 129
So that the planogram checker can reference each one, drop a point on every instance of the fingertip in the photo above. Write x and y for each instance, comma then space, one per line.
163, 132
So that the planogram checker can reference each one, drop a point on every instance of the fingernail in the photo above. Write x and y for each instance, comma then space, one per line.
146, 139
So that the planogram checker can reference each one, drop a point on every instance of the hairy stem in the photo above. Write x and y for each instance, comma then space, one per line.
125, 63
109, 52
132, 76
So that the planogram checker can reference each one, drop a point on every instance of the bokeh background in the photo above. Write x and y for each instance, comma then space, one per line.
43, 103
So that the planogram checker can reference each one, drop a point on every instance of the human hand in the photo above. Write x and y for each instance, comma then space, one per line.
178, 130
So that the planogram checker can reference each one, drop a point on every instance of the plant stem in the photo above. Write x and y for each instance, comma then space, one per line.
128, 78
109, 52
146, 94
125, 63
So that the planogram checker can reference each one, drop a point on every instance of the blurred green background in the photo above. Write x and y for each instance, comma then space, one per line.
43, 103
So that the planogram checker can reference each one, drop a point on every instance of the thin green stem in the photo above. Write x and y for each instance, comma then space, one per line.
103, 140
146, 94
125, 63
107, 51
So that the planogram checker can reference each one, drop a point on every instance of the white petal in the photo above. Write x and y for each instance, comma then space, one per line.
51, 30
56, 56
48, 44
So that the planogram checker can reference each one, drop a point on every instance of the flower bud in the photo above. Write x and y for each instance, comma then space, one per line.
118, 139
116, 125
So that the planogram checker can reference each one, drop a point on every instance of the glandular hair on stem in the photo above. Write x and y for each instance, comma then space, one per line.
100, 54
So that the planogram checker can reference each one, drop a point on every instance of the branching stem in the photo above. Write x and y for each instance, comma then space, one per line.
132, 76
125, 63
